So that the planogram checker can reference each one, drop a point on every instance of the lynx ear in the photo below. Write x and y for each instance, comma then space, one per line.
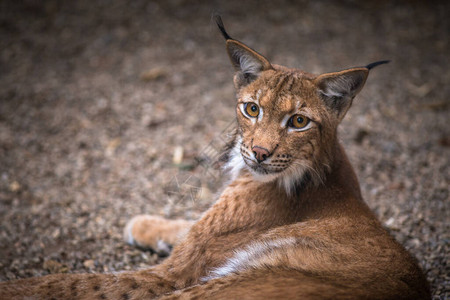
247, 62
338, 89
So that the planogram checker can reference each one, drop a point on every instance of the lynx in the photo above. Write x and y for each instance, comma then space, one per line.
291, 224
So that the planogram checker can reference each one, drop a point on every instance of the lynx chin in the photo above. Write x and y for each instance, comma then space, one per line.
291, 224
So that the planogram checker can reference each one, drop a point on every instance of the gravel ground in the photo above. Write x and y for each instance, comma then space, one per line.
106, 106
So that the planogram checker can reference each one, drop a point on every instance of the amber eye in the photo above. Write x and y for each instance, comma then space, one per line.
251, 109
298, 121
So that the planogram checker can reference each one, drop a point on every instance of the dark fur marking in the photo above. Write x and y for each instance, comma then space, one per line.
377, 63
279, 85
135, 285
125, 296
320, 129
290, 84
102, 296
73, 286
96, 288
219, 23
303, 183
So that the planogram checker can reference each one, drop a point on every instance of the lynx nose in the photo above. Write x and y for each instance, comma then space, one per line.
260, 153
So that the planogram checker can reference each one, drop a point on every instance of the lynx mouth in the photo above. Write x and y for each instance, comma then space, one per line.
259, 169
262, 169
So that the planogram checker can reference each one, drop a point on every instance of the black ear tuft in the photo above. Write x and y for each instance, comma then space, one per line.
377, 63
219, 23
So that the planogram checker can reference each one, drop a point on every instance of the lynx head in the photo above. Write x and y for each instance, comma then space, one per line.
287, 118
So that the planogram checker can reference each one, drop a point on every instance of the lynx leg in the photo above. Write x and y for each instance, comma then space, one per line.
155, 232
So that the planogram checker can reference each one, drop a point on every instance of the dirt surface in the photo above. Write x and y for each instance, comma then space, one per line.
97, 96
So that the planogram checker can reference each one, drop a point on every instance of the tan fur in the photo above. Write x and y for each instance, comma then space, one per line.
291, 227
164, 234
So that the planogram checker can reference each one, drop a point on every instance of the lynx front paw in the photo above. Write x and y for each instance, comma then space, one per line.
155, 232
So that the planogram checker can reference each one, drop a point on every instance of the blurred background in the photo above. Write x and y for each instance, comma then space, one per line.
110, 109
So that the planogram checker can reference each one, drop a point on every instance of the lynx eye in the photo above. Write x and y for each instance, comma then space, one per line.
298, 122
251, 109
